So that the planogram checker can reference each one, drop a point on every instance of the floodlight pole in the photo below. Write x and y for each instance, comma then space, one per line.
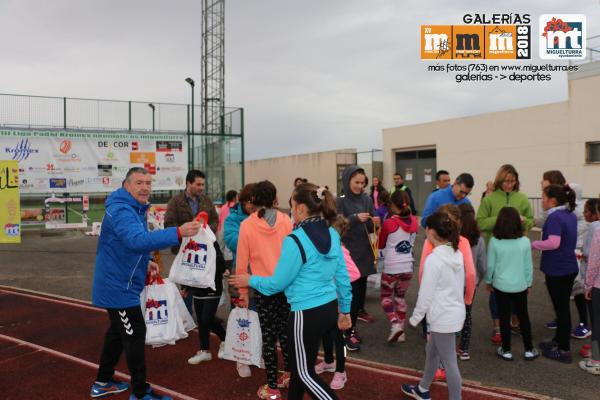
190, 150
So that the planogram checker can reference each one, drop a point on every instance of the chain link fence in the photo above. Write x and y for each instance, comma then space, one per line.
219, 154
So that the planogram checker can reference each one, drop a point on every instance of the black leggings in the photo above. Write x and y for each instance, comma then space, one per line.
359, 292
583, 306
127, 332
273, 313
330, 339
559, 288
305, 330
206, 309
507, 302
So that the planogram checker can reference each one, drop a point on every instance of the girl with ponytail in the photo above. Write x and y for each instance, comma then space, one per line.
259, 247
559, 239
312, 272
397, 239
441, 297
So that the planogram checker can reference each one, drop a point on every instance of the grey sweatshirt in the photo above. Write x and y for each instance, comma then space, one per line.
356, 239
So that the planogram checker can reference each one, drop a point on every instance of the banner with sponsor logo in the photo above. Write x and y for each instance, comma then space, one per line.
10, 215
88, 162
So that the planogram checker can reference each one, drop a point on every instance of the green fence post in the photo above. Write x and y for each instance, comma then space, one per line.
129, 116
64, 113
243, 151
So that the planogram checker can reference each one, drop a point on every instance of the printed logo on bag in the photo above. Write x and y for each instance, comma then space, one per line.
243, 323
194, 255
156, 312
562, 36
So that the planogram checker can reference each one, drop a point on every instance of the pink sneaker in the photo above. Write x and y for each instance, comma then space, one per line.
338, 381
324, 367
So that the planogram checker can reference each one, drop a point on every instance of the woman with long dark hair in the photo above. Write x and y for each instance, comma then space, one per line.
559, 238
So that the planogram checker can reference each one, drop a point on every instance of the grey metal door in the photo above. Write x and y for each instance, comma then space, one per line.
418, 169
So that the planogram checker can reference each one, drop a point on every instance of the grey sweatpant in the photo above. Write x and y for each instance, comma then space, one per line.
442, 347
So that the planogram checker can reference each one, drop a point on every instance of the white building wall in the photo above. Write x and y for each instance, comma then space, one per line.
319, 168
533, 139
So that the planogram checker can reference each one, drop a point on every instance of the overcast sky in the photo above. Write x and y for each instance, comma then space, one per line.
311, 75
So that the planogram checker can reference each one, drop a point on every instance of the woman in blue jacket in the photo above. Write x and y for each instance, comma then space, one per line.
237, 215
313, 274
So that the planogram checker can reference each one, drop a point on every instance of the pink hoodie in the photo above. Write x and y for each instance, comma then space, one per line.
465, 248
352, 268
259, 245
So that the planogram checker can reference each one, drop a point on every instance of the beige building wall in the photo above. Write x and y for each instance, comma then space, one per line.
533, 139
319, 168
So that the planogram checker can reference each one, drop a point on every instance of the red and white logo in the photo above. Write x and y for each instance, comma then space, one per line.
106, 180
151, 168
135, 146
65, 146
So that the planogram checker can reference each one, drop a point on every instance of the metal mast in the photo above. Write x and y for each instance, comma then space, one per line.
213, 93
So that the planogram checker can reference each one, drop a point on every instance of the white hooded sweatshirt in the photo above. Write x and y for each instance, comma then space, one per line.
441, 295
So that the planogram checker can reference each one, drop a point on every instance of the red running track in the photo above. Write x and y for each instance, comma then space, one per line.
50, 346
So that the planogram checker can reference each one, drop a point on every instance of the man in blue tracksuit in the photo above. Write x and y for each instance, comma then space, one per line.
454, 194
122, 262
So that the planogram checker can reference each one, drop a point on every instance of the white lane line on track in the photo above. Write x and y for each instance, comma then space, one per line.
359, 364
416, 378
72, 303
90, 364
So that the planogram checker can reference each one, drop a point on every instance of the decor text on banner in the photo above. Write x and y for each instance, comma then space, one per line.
10, 213
92, 162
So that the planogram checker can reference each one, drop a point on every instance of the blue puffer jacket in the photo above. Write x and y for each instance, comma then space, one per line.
231, 228
124, 250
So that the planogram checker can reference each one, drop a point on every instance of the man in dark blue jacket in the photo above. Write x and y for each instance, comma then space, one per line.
454, 194
122, 262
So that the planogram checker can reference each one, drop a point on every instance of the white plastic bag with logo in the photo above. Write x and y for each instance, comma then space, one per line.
166, 317
195, 264
243, 342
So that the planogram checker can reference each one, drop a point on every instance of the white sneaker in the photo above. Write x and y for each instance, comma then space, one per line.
221, 350
402, 338
593, 367
396, 331
200, 356
243, 370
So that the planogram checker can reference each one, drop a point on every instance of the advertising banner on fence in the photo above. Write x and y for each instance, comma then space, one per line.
10, 215
88, 162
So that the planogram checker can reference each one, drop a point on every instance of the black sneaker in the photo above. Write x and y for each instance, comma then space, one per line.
414, 392
558, 355
352, 342
548, 345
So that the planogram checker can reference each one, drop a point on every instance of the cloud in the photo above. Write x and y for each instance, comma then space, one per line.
311, 75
